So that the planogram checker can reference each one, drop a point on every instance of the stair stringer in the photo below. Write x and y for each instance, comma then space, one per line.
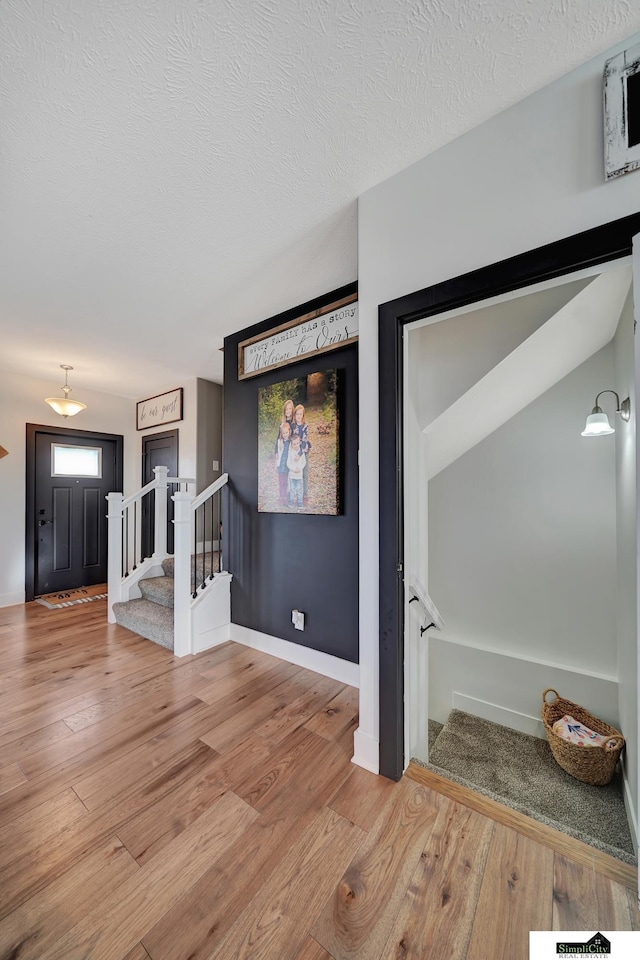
149, 567
211, 614
128, 589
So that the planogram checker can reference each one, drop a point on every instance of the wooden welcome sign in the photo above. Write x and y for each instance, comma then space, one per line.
317, 332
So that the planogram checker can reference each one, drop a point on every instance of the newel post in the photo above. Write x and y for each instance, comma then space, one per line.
182, 539
160, 521
114, 552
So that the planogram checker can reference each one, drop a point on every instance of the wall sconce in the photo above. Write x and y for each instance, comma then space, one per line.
598, 422
62, 405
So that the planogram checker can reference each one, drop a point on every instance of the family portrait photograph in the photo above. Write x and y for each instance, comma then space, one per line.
298, 452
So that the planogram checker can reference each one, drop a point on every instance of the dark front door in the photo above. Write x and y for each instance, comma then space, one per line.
158, 450
71, 474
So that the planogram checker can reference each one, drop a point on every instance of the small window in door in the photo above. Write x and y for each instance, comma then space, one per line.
68, 460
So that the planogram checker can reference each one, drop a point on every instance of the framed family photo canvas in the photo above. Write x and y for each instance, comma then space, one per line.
298, 445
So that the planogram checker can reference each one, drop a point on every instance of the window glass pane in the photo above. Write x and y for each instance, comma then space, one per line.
70, 461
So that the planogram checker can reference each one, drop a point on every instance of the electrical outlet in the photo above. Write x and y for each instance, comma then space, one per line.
297, 619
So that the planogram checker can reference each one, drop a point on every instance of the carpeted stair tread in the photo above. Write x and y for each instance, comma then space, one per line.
168, 565
435, 729
158, 590
519, 770
148, 619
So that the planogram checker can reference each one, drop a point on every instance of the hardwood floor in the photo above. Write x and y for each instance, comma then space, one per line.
161, 809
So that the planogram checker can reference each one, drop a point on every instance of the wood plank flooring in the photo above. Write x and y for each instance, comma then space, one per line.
206, 809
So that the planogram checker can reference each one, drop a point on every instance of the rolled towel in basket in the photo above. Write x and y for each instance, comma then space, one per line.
576, 732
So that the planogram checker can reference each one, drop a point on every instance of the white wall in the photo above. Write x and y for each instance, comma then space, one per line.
522, 534
187, 432
209, 432
491, 333
22, 402
626, 601
531, 175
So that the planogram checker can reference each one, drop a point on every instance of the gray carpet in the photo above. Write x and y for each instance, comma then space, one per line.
147, 619
520, 771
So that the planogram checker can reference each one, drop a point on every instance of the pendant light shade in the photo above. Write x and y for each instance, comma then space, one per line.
62, 405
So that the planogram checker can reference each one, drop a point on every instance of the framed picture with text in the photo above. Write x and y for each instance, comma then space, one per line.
317, 332
165, 408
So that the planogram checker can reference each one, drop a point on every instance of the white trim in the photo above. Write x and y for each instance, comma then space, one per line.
515, 294
323, 663
366, 751
497, 714
11, 599
207, 546
570, 668
209, 491
203, 592
628, 803
212, 638
130, 586
426, 602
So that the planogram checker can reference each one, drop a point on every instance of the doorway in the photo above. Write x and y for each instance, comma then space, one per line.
158, 450
68, 476
598, 246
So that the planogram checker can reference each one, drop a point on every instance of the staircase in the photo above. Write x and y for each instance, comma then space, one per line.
152, 615
182, 602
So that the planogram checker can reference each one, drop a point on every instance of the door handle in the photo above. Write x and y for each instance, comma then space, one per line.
41, 523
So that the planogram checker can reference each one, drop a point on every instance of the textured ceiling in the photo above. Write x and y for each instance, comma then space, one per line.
174, 170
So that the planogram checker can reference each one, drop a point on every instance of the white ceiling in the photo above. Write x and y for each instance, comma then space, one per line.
175, 170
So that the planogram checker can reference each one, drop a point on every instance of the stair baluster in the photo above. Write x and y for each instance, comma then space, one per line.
160, 597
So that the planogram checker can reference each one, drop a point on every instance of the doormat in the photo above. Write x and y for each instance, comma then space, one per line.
68, 598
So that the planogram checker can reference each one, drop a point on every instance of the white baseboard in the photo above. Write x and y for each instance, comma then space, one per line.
366, 751
491, 711
11, 599
628, 803
212, 638
329, 666
511, 684
206, 546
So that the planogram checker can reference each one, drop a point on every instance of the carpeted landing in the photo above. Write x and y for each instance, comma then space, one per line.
519, 771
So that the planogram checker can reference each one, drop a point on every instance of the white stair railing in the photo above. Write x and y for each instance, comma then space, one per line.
125, 531
197, 542
197, 523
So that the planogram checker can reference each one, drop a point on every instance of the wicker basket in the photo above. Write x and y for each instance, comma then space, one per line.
595, 765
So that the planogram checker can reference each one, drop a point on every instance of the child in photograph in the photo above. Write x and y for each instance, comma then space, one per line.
295, 462
282, 455
300, 429
287, 417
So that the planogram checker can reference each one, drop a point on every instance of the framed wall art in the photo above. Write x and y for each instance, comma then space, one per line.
312, 333
165, 408
298, 445
622, 113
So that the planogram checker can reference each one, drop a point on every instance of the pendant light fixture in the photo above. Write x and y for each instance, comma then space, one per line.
62, 405
598, 422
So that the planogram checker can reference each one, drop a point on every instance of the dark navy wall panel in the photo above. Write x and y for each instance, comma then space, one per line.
285, 561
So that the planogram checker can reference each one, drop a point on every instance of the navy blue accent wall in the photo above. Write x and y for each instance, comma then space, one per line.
285, 561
